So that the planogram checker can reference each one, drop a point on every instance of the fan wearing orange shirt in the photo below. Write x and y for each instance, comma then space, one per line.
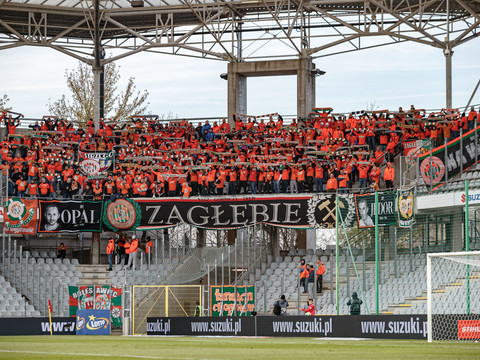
44, 188
21, 187
32, 188
186, 190
332, 183
172, 186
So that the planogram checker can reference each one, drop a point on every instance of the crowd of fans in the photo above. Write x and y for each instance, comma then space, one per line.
257, 155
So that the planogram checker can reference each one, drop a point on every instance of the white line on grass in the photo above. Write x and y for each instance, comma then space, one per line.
104, 355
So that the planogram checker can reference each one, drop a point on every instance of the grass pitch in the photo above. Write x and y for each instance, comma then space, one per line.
192, 348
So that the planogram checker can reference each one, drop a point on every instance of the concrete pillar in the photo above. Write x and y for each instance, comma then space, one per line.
202, 238
95, 248
305, 87
274, 241
311, 239
238, 73
237, 93
448, 77
302, 239
455, 233
231, 234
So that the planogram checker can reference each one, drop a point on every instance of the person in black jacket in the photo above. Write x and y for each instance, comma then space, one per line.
355, 304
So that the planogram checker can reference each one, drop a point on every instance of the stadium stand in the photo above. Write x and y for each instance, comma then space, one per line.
260, 155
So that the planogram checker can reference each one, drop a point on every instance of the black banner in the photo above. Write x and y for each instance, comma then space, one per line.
69, 216
365, 205
362, 326
303, 211
443, 164
37, 326
213, 326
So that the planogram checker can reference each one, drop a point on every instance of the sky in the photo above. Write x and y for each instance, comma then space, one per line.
381, 78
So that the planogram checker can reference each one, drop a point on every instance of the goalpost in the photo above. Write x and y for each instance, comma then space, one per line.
453, 296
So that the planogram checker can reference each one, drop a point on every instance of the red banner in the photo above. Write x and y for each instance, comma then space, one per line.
21, 216
468, 329
409, 146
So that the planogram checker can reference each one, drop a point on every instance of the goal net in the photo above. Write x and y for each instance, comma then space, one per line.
162, 301
453, 296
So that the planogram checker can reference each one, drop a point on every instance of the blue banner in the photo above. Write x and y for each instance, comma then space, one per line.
93, 322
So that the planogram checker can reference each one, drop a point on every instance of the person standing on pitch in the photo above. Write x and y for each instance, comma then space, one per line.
110, 250
310, 310
354, 304
198, 309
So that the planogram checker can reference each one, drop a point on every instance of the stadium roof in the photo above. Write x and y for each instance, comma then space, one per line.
17, 16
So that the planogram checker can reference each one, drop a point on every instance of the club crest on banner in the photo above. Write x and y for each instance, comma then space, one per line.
90, 167
432, 170
21, 216
122, 214
321, 211
406, 207
95, 163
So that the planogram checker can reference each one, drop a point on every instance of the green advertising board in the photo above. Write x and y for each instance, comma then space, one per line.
223, 300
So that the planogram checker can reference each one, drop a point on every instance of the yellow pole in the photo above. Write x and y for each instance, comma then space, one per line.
50, 316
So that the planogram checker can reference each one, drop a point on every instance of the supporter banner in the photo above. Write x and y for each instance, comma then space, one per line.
365, 205
361, 326
70, 216
444, 164
222, 300
107, 298
409, 146
37, 326
303, 211
406, 207
80, 297
346, 207
93, 322
21, 216
95, 163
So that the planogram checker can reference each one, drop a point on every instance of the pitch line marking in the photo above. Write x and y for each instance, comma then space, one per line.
87, 354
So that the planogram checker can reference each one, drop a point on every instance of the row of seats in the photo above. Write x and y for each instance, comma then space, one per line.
39, 280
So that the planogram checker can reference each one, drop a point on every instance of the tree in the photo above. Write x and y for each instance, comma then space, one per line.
3, 103
117, 104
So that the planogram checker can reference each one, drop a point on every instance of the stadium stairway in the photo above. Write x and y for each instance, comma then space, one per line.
93, 275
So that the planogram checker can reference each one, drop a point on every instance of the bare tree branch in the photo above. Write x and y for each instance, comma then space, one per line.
80, 106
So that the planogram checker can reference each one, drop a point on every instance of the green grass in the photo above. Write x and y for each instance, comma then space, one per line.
186, 347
